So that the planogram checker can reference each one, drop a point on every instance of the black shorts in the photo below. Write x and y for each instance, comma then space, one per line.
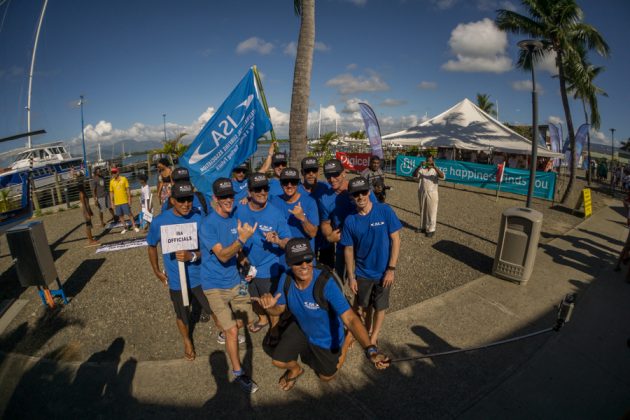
196, 293
372, 293
293, 343
259, 286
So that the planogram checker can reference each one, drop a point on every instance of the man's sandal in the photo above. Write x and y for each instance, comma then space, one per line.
289, 382
190, 356
256, 327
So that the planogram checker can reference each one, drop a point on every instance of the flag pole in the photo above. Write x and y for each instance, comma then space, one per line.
264, 100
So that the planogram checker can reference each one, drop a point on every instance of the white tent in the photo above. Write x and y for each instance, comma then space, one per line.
466, 126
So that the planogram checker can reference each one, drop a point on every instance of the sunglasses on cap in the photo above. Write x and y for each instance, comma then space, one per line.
279, 164
333, 175
307, 260
260, 189
226, 197
285, 182
359, 193
184, 199
310, 171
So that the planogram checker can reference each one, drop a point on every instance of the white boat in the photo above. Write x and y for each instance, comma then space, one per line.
45, 160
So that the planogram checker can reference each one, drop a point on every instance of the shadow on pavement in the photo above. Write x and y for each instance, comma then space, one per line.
81, 276
468, 256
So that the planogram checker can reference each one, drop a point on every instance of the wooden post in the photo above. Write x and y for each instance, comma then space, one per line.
34, 196
58, 188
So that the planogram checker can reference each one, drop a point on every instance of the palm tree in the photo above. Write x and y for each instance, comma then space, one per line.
486, 105
558, 24
174, 146
625, 145
298, 121
359, 135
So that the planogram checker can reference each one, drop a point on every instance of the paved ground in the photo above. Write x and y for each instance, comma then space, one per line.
582, 371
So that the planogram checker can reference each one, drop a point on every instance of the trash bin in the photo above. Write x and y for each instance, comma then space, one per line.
517, 244
30, 250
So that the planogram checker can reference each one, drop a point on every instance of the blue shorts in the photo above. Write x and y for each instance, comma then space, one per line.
123, 209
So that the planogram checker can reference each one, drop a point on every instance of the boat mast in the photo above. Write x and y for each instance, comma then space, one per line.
30, 74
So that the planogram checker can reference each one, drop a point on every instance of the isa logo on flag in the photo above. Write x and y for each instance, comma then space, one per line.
229, 138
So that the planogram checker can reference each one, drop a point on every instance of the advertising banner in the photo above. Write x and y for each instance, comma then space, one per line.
372, 129
354, 161
515, 181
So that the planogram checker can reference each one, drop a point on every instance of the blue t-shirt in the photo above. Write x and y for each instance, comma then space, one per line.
215, 274
309, 206
275, 188
369, 236
240, 188
320, 188
317, 324
265, 256
196, 204
167, 218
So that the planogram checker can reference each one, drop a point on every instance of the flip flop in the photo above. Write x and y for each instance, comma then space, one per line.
256, 327
190, 356
289, 382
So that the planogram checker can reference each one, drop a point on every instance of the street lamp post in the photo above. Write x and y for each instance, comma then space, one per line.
164, 119
532, 45
87, 170
612, 145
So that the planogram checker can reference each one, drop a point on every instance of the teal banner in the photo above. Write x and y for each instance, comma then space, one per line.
515, 181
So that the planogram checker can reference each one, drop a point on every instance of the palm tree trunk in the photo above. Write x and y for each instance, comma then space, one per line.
298, 122
567, 114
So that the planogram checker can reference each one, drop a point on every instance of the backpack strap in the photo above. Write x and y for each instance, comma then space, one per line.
320, 283
287, 284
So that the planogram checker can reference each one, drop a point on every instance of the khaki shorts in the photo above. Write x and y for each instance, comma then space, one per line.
227, 305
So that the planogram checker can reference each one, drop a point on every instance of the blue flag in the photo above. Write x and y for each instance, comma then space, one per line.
555, 136
229, 138
372, 129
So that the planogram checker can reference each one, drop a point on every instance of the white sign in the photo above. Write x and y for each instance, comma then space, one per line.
147, 216
182, 237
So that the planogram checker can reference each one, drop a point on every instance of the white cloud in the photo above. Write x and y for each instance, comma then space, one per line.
393, 102
427, 85
254, 44
526, 86
291, 48
554, 119
548, 63
351, 66
444, 4
347, 83
479, 47
492, 5
599, 137
278, 118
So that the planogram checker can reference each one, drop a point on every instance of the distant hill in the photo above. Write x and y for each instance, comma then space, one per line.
115, 150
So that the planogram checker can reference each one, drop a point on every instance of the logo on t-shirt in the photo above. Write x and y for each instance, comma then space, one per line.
374, 224
233, 231
311, 305
265, 228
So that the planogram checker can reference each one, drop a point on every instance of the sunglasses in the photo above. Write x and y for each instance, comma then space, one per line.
333, 175
260, 189
289, 182
359, 193
305, 260
184, 199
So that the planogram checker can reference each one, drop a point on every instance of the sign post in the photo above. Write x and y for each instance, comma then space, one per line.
180, 237
588, 204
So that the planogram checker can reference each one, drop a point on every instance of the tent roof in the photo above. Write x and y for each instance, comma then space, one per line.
466, 126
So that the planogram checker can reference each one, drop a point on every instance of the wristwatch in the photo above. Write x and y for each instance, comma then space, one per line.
391, 268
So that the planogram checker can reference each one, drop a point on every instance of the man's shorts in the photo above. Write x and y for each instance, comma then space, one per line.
227, 305
372, 293
181, 312
123, 209
259, 286
102, 203
293, 343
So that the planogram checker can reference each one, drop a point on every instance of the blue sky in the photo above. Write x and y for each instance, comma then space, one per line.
136, 60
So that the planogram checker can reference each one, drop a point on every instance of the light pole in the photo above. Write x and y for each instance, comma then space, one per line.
164, 119
532, 45
87, 170
612, 145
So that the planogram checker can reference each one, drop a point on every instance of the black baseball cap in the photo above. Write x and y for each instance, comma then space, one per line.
298, 250
309, 163
279, 157
242, 167
222, 187
289, 174
333, 166
358, 184
257, 180
180, 174
182, 189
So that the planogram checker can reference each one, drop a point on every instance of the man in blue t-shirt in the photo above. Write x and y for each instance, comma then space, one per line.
181, 212
334, 207
200, 202
372, 244
324, 251
317, 333
239, 183
276, 161
300, 210
265, 249
221, 240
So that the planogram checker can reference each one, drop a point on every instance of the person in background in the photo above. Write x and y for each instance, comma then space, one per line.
101, 195
376, 178
428, 175
146, 200
164, 180
79, 180
239, 183
121, 197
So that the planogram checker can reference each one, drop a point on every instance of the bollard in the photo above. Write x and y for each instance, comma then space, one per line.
34, 196
67, 194
52, 195
58, 187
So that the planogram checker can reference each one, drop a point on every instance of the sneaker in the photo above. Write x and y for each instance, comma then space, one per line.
246, 383
221, 338
122, 232
136, 230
